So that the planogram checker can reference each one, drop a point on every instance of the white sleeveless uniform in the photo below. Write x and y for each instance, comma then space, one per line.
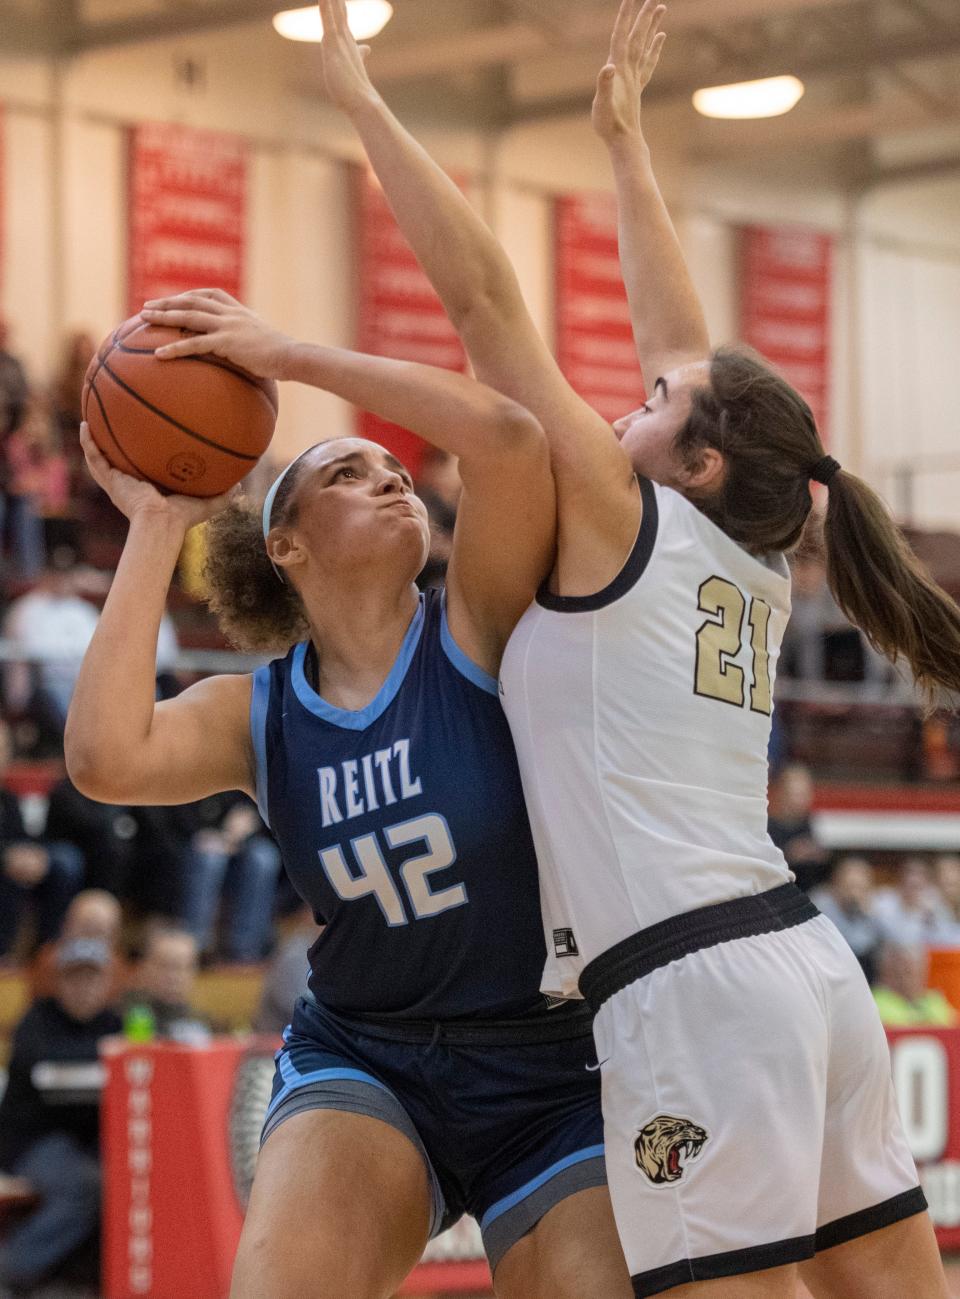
740, 1043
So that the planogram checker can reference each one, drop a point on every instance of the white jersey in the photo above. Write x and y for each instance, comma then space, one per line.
641, 718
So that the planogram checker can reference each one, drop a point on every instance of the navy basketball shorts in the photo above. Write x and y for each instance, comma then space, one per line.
506, 1113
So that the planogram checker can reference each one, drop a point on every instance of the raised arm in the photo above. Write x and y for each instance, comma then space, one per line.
479, 290
668, 323
508, 488
121, 746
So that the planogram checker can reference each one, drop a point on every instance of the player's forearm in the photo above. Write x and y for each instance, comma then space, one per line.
113, 704
453, 244
450, 410
668, 321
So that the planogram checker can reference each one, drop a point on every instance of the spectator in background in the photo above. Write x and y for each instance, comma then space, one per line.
912, 913
104, 835
233, 861
35, 878
53, 624
847, 900
901, 991
820, 643
41, 472
32, 479
14, 393
163, 984
946, 874
49, 1115
791, 828
439, 487
286, 976
93, 913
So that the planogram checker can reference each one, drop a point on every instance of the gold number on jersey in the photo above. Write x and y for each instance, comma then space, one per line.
761, 700
720, 640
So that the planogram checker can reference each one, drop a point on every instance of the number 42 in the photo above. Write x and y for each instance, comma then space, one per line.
374, 878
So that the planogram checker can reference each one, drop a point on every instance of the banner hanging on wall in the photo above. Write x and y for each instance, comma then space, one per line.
187, 211
785, 306
595, 347
399, 314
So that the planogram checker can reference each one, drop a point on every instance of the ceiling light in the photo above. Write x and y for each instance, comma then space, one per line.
771, 97
367, 18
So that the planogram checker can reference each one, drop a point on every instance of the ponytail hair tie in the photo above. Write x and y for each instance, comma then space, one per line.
825, 470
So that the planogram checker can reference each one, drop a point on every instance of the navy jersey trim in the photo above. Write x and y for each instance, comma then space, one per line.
628, 576
464, 665
360, 719
259, 705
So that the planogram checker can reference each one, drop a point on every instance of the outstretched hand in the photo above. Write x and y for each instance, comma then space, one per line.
220, 325
635, 49
133, 496
344, 61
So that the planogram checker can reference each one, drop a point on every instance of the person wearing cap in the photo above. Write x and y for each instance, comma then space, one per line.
49, 1115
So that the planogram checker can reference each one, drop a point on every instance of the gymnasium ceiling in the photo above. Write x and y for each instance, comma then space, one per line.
883, 76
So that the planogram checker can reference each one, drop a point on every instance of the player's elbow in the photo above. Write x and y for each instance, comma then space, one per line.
94, 773
519, 434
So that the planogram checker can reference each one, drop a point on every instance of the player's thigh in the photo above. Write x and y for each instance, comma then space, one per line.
572, 1253
890, 1263
774, 1283
340, 1206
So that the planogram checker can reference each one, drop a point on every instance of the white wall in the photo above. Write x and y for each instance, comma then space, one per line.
909, 268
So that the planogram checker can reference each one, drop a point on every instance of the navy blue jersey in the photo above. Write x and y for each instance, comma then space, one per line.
403, 826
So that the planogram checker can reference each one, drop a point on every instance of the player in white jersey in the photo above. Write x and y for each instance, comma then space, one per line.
751, 1127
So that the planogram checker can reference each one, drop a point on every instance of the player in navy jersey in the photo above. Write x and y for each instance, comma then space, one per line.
425, 1075
751, 1121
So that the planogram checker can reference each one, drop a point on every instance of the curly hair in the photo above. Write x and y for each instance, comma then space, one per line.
257, 611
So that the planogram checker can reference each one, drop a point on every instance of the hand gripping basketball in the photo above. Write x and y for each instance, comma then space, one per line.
194, 425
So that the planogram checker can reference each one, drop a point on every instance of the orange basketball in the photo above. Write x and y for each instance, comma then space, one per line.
194, 425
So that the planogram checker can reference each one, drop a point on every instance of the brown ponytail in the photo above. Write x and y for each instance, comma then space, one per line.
884, 590
770, 443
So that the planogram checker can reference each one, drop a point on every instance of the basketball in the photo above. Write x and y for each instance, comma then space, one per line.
193, 425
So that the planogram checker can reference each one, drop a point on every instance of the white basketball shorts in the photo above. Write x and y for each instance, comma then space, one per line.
749, 1113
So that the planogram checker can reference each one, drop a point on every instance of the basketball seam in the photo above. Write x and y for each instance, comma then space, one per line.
216, 446
205, 360
101, 362
109, 427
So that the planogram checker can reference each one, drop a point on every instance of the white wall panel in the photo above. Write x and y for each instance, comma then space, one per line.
28, 226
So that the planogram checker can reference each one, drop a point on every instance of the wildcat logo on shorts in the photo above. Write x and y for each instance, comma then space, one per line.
666, 1145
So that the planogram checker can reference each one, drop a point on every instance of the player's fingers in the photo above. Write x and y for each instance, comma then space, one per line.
196, 299
200, 320
198, 345
656, 49
640, 33
626, 17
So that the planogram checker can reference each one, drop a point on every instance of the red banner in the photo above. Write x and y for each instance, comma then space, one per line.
785, 306
399, 313
926, 1074
180, 1134
187, 193
595, 347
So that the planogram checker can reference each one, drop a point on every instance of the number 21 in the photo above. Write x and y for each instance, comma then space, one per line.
720, 640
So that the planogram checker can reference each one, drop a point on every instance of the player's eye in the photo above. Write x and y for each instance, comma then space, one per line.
343, 471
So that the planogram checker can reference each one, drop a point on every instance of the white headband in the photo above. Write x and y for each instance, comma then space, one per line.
272, 496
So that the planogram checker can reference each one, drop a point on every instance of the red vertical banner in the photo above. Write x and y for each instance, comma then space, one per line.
595, 347
399, 314
187, 211
785, 306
